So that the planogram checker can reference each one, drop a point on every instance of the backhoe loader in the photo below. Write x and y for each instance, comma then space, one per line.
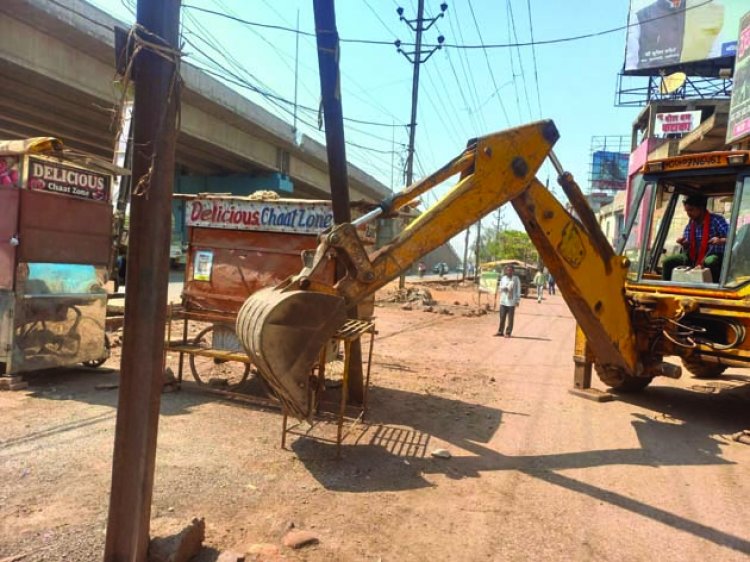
629, 316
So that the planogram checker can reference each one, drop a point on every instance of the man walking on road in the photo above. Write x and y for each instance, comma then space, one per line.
539, 281
509, 287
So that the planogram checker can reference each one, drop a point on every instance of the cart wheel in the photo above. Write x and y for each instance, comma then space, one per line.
209, 370
94, 363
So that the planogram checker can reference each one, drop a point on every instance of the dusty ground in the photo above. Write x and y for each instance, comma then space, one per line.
536, 473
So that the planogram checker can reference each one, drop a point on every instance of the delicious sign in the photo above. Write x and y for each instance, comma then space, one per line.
51, 176
239, 214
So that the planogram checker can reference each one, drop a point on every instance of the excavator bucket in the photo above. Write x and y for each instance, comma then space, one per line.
284, 332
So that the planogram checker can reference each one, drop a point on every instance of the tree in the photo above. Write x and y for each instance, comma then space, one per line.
508, 245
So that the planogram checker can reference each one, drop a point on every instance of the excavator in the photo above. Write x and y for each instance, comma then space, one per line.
630, 311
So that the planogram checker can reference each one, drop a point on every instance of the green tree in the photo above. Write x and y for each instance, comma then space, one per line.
507, 245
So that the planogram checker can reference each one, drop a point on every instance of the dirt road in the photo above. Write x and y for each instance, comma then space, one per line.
536, 473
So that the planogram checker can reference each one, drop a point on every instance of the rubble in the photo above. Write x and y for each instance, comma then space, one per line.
299, 539
180, 547
441, 454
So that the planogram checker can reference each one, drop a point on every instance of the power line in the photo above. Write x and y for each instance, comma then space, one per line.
468, 75
520, 58
489, 66
276, 100
533, 56
454, 45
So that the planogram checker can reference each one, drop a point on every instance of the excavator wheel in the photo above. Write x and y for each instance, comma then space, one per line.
702, 370
619, 381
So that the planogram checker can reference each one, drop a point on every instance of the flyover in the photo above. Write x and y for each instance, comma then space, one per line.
57, 78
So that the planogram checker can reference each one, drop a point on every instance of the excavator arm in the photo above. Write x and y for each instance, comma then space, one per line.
284, 328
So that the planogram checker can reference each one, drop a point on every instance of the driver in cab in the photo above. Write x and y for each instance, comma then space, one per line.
703, 239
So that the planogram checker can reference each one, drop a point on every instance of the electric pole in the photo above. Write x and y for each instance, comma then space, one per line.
156, 67
416, 58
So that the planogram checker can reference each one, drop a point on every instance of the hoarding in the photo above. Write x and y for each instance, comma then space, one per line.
609, 170
270, 216
682, 33
738, 126
48, 175
676, 123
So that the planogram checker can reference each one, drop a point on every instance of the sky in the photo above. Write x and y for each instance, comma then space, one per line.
463, 92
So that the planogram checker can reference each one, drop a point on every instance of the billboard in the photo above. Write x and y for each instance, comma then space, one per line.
609, 170
739, 110
690, 34
678, 123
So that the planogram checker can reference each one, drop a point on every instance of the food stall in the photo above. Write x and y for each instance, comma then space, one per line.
55, 251
236, 246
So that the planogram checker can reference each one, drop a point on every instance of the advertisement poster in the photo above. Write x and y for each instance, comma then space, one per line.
55, 177
270, 216
670, 125
664, 33
202, 265
9, 171
609, 170
739, 112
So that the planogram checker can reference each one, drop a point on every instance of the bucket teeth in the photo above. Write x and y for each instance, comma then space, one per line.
284, 333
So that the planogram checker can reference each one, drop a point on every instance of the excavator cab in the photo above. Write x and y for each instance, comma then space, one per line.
659, 222
690, 301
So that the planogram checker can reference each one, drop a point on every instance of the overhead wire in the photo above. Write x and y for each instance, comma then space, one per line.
533, 56
468, 76
273, 98
520, 58
459, 45
512, 57
489, 66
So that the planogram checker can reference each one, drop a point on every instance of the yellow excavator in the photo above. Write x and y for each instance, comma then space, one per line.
629, 314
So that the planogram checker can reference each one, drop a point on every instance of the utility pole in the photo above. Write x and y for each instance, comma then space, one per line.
466, 256
142, 369
497, 232
479, 240
416, 58
330, 87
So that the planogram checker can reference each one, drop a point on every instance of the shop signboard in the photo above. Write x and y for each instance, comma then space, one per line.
684, 33
669, 125
738, 126
297, 217
55, 177
609, 170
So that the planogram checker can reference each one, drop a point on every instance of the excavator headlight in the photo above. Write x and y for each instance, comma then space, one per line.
655, 166
737, 159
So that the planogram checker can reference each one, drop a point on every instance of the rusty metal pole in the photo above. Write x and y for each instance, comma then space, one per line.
142, 370
330, 87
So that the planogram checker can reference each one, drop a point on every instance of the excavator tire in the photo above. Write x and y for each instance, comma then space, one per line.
619, 381
702, 370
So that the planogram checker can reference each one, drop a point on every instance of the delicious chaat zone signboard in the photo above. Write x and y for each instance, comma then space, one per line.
54, 177
297, 217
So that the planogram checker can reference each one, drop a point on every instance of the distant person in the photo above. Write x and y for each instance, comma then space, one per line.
509, 288
539, 281
550, 284
421, 268
703, 239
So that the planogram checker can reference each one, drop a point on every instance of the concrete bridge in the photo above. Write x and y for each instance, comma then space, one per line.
57, 78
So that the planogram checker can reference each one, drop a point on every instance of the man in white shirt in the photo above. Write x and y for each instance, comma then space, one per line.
509, 288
